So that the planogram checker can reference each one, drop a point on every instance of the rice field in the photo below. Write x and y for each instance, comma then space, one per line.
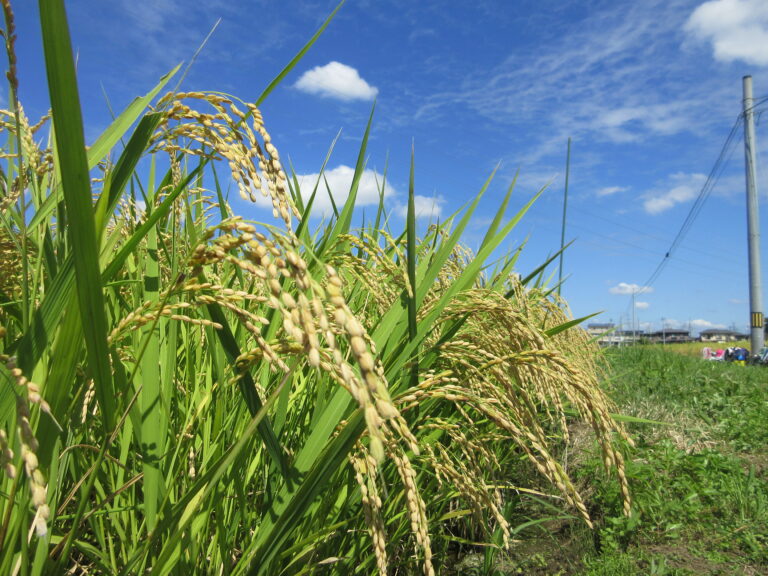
185, 391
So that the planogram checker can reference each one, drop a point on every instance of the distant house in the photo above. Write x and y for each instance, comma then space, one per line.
607, 335
720, 335
599, 329
669, 336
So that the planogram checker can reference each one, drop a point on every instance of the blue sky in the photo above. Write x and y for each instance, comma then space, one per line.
648, 91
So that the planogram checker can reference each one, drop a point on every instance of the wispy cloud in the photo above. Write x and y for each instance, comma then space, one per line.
736, 29
642, 305
420, 33
610, 191
633, 123
336, 80
600, 79
149, 16
680, 188
625, 289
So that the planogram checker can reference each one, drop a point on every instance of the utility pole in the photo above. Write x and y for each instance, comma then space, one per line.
634, 320
757, 335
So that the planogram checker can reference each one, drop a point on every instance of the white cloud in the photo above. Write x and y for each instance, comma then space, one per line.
701, 324
625, 289
737, 29
642, 305
336, 80
632, 123
339, 181
610, 190
427, 207
680, 189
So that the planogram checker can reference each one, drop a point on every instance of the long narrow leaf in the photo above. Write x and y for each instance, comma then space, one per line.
70, 144
411, 293
296, 59
106, 141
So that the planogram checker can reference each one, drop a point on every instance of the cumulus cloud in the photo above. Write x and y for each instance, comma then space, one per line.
339, 181
736, 29
427, 207
681, 188
624, 289
642, 305
336, 80
610, 191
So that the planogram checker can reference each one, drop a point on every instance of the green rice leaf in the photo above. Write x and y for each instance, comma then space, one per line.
344, 221
540, 269
296, 59
567, 325
106, 142
248, 389
411, 256
75, 178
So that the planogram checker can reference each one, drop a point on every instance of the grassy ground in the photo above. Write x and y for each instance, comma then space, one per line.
698, 475
700, 481
694, 348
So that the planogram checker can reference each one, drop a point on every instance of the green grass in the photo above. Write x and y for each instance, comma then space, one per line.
694, 349
699, 482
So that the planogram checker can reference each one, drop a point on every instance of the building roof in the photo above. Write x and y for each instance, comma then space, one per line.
671, 332
723, 331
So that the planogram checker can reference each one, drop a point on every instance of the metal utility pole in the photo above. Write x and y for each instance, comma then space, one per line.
565, 207
757, 334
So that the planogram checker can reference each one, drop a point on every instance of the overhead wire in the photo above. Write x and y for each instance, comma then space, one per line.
642, 233
704, 193
652, 251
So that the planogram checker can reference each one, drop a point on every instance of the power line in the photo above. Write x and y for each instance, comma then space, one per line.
653, 252
641, 233
706, 190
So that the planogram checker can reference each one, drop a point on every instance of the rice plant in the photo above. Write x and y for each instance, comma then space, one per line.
188, 392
